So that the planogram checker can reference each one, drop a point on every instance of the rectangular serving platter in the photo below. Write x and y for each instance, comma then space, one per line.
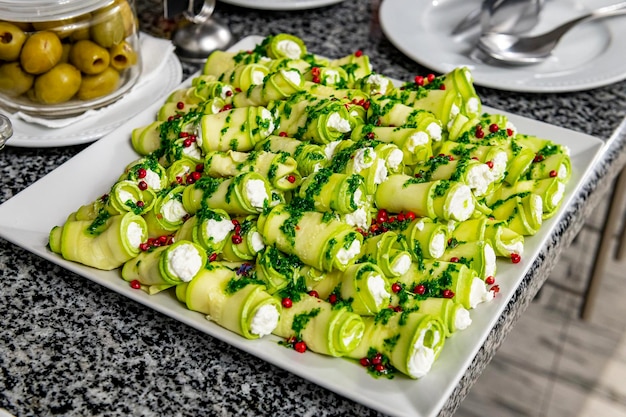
26, 220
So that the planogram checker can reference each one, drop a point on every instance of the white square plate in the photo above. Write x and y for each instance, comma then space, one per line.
27, 218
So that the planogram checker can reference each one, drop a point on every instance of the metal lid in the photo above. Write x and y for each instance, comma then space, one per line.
47, 10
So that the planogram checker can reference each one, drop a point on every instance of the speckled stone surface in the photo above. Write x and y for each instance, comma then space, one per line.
69, 347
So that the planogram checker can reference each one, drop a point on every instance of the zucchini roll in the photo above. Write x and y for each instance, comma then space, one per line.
208, 228
448, 200
147, 173
505, 241
308, 118
478, 255
244, 242
432, 277
284, 45
425, 238
276, 86
244, 76
453, 315
341, 193
389, 251
236, 129
460, 80
166, 266
244, 194
363, 286
146, 139
276, 269
551, 191
126, 195
168, 213
319, 240
415, 143
411, 341
522, 213
325, 329
444, 104
280, 169
233, 298
476, 175
356, 66
309, 156
105, 242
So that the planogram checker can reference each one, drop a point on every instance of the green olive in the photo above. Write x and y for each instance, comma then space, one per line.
63, 28
94, 86
12, 39
57, 85
128, 17
41, 52
108, 27
25, 26
14, 81
89, 57
122, 56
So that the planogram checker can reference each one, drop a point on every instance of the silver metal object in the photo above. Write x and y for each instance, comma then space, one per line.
508, 16
520, 50
200, 34
6, 130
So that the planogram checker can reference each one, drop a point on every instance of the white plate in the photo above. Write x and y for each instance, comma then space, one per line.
282, 4
25, 221
91, 128
589, 56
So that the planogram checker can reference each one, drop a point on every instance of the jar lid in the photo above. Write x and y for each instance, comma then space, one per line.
47, 10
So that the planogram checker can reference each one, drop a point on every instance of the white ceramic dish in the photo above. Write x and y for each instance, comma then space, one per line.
282, 4
89, 129
589, 56
26, 222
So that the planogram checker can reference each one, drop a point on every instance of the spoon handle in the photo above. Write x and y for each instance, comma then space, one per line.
612, 10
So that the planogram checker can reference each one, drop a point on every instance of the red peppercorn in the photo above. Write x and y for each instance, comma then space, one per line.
420, 289
442, 87
380, 368
300, 347
395, 287
419, 80
144, 247
400, 217
227, 107
377, 359
430, 78
190, 180
489, 164
392, 219
187, 143
316, 79
454, 259
447, 293
180, 105
515, 258
382, 216
495, 289
332, 298
480, 133
236, 239
410, 215
183, 134
493, 128
135, 284
314, 293
374, 229
358, 53
397, 309
142, 185
291, 178
170, 118
141, 173
538, 158
213, 257
162, 239
365, 362
282, 134
140, 204
509, 132
553, 173
490, 280
315, 71
286, 302
370, 135
366, 105
229, 93
196, 175
199, 167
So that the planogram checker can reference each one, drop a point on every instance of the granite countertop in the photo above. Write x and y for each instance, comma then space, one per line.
73, 348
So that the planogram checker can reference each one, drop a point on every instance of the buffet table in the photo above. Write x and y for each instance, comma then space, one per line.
71, 347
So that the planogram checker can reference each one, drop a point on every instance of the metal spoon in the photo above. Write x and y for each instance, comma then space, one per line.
509, 16
534, 49
202, 34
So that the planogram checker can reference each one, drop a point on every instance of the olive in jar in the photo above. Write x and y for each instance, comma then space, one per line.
57, 85
98, 85
14, 81
122, 56
108, 28
89, 57
12, 39
41, 52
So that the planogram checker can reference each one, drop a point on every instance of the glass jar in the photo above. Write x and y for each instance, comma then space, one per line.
62, 58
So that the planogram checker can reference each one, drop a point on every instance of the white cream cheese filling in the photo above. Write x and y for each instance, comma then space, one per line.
462, 319
437, 245
218, 229
461, 203
415, 140
152, 179
376, 285
401, 265
256, 240
363, 158
134, 234
173, 211
490, 261
266, 116
265, 320
184, 262
292, 75
289, 48
422, 358
256, 192
357, 218
346, 255
434, 130
479, 178
338, 123
558, 194
479, 293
